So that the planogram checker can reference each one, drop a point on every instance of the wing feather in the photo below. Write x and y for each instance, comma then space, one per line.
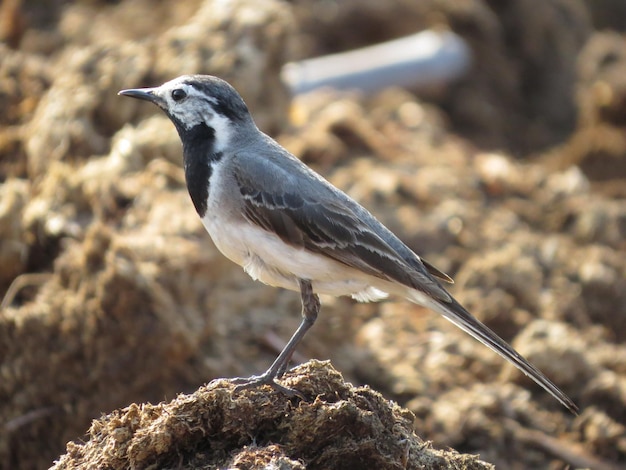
309, 212
324, 220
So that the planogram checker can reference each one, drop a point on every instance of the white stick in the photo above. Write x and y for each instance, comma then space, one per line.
420, 61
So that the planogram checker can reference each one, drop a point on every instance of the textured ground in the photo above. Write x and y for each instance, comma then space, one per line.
513, 181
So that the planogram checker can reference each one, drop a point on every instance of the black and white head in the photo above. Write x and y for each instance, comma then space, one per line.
200, 106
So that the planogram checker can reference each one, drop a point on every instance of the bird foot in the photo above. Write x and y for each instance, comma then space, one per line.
246, 383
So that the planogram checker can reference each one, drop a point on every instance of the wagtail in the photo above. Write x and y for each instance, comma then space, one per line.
288, 227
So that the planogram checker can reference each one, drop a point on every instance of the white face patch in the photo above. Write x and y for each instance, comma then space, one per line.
223, 129
196, 108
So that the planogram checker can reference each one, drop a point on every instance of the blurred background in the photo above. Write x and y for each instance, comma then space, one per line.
502, 161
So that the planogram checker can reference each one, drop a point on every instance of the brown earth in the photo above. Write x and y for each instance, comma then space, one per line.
340, 426
513, 181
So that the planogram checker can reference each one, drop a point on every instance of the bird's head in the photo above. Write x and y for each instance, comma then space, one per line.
199, 103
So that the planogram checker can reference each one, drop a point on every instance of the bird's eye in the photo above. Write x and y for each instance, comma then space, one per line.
178, 94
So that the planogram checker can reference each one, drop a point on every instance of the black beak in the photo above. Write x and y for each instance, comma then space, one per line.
146, 94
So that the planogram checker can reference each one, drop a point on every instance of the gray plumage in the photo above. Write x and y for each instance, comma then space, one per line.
289, 227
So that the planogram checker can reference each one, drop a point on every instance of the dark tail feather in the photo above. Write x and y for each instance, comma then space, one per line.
454, 312
436, 272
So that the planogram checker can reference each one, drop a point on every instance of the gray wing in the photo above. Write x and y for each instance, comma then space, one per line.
286, 197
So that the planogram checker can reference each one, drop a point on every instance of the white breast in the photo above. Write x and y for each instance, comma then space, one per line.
265, 257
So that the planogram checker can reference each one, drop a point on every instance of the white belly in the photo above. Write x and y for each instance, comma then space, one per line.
265, 257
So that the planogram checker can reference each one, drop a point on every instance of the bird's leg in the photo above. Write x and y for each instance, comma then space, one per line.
284, 367
310, 310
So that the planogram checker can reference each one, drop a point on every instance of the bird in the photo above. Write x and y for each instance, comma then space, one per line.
289, 227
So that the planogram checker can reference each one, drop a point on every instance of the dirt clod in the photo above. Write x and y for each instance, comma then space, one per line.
215, 428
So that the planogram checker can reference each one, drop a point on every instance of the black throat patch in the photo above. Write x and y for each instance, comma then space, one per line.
199, 156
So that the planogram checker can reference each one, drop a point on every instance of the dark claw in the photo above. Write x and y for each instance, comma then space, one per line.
245, 383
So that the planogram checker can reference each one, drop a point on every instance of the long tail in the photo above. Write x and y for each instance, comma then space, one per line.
454, 312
